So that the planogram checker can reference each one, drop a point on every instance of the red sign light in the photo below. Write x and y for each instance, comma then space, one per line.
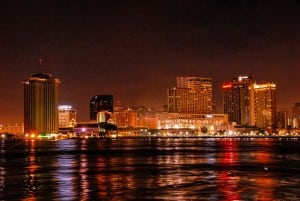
227, 86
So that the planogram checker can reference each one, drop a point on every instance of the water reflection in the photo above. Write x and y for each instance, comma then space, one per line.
65, 172
83, 171
227, 178
31, 184
2, 169
168, 169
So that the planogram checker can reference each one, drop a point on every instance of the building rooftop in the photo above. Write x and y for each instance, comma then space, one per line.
41, 75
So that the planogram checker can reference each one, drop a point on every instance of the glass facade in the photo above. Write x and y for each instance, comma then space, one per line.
100, 103
236, 95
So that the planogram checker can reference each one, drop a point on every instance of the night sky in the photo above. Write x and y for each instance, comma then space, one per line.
135, 49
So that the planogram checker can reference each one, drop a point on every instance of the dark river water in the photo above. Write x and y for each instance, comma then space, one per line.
150, 169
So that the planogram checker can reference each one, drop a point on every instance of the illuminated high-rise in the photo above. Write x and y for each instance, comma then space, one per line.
193, 94
40, 104
282, 119
263, 105
296, 115
236, 103
67, 116
100, 103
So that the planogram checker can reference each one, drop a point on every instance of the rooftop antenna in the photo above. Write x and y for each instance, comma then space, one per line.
40, 63
41, 66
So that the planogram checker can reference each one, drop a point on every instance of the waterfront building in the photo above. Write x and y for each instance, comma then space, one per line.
40, 104
263, 105
100, 103
150, 122
16, 128
205, 123
296, 115
236, 96
66, 117
125, 117
192, 94
86, 129
133, 132
146, 117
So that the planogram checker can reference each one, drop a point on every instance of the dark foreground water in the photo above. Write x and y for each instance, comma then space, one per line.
150, 169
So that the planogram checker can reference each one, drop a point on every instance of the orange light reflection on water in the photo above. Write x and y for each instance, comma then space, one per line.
227, 182
30, 179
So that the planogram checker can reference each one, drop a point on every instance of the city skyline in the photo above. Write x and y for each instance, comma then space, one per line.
134, 50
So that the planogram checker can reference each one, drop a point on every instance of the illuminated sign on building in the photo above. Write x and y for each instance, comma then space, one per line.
264, 86
227, 86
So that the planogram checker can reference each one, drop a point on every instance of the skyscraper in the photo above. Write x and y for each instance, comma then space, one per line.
296, 115
40, 104
192, 94
282, 119
236, 96
263, 105
100, 103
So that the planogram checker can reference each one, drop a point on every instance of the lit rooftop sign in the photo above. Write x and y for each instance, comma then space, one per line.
64, 107
243, 77
264, 86
227, 86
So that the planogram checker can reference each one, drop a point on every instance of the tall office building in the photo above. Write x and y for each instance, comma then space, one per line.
40, 104
263, 105
192, 94
282, 119
236, 96
296, 115
100, 103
